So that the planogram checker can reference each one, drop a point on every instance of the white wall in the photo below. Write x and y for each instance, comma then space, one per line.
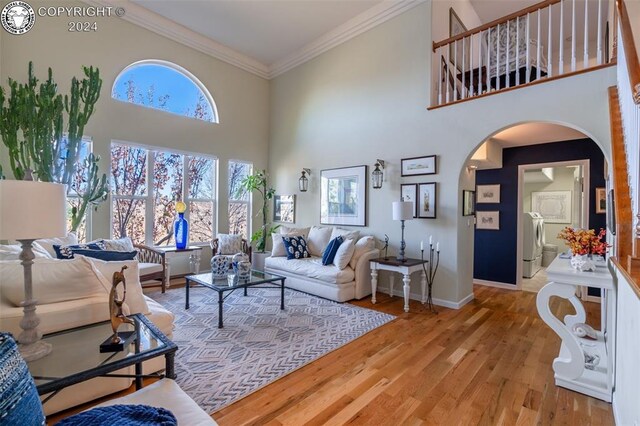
368, 98
241, 97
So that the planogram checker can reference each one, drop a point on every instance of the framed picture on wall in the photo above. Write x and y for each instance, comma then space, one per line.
611, 218
456, 27
468, 202
284, 208
488, 194
343, 196
554, 206
427, 200
408, 192
489, 220
601, 200
418, 166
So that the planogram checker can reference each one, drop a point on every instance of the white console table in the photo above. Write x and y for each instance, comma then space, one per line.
569, 366
405, 268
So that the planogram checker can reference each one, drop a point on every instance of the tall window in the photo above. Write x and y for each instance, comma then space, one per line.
239, 199
144, 203
165, 86
77, 187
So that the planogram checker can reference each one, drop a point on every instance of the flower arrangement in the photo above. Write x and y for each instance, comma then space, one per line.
585, 241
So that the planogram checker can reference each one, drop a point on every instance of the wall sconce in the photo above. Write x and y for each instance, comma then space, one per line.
303, 182
377, 175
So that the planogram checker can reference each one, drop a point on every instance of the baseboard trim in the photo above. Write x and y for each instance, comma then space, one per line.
496, 284
418, 296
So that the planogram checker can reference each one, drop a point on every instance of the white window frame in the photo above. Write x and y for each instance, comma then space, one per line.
149, 197
88, 216
248, 202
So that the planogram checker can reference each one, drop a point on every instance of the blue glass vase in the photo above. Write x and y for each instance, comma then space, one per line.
181, 232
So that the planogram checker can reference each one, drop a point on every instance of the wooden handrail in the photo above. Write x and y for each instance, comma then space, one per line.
496, 22
630, 52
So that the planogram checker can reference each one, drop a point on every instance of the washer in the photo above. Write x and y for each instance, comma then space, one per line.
533, 242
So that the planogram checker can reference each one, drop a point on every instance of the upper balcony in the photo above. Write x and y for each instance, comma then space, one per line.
542, 42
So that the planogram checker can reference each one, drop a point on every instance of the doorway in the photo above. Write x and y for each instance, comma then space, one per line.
551, 196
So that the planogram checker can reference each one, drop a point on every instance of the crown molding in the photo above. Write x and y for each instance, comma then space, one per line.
158, 24
357, 25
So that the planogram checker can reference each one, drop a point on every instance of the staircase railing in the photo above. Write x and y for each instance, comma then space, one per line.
549, 40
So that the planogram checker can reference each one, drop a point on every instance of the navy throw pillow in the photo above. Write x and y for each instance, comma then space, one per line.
19, 400
296, 247
331, 250
109, 256
66, 252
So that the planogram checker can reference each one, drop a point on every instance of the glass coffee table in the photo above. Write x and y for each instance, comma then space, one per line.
76, 355
230, 283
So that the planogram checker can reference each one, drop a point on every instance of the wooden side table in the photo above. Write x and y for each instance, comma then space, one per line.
405, 268
194, 252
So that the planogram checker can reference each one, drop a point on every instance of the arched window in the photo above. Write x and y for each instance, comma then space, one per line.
165, 86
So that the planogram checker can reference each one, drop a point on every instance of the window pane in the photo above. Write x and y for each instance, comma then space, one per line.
128, 219
79, 178
201, 221
81, 232
128, 170
238, 215
237, 172
201, 179
167, 189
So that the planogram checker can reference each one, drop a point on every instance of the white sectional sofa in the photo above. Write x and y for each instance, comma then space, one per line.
68, 306
328, 281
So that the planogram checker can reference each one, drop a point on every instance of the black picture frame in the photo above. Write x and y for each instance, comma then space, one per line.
410, 189
414, 166
427, 204
468, 202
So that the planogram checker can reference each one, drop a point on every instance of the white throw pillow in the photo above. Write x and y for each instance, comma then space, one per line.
121, 244
318, 240
135, 298
364, 245
53, 281
12, 252
229, 244
344, 253
48, 243
277, 245
295, 231
345, 234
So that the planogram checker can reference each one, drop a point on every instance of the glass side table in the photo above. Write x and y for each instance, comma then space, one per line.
76, 355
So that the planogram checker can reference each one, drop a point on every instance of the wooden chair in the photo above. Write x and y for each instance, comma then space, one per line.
246, 248
148, 254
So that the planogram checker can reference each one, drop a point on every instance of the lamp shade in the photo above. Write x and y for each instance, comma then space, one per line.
402, 210
31, 210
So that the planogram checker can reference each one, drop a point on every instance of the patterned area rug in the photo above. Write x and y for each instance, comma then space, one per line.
259, 343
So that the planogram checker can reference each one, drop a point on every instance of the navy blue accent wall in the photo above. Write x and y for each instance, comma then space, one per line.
495, 251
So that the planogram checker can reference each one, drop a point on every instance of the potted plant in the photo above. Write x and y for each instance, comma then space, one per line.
257, 182
42, 130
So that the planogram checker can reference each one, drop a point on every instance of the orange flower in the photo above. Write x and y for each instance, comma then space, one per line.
585, 241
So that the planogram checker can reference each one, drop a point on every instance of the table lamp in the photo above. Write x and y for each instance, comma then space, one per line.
402, 210
29, 211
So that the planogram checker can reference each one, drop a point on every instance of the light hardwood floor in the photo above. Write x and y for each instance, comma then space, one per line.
488, 363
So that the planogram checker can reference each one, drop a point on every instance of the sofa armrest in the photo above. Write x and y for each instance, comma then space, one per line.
363, 273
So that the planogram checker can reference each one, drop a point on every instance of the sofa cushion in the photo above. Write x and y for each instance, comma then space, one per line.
294, 231
364, 245
296, 247
53, 280
330, 252
149, 268
318, 240
311, 267
229, 244
121, 244
343, 256
346, 234
135, 299
277, 245
47, 243
66, 252
160, 316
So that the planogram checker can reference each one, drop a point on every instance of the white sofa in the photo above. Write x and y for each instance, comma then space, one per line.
91, 308
330, 282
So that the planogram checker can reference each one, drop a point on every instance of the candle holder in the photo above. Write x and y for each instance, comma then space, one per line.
431, 273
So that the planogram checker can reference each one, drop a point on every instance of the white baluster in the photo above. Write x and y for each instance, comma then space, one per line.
573, 35
599, 48
488, 69
507, 70
549, 43
518, 51
480, 62
528, 64
464, 60
538, 48
446, 77
561, 42
498, 57
438, 56
586, 35
455, 69
471, 66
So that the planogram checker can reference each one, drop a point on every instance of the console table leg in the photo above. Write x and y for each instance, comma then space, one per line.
391, 284
406, 279
374, 284
220, 303
580, 315
424, 287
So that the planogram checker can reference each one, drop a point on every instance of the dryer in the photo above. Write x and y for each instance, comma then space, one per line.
532, 243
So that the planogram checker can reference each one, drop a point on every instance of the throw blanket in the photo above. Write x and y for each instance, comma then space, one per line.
122, 415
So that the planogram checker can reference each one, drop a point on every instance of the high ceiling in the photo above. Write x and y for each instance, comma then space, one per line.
266, 30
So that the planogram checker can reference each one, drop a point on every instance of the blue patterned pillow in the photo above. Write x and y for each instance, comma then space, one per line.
331, 250
66, 252
19, 400
296, 247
